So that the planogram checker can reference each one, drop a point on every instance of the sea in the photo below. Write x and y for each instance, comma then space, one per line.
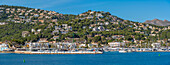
107, 58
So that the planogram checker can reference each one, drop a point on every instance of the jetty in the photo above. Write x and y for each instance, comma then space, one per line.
52, 51
60, 52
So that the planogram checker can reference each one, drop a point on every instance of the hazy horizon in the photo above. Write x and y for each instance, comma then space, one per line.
134, 10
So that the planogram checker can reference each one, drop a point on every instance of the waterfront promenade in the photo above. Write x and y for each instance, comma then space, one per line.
88, 51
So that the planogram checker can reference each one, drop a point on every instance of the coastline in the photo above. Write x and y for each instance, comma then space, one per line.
27, 52
70, 53
59, 52
153, 51
6, 52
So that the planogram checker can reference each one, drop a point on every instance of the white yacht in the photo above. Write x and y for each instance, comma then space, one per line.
123, 51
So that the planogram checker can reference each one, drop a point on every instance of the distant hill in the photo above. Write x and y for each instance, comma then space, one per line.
158, 22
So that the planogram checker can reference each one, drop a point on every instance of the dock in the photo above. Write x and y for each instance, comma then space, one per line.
59, 52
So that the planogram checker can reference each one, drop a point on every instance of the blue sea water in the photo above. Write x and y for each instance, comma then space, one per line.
108, 58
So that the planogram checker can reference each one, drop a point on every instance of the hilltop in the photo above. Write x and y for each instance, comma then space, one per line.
158, 22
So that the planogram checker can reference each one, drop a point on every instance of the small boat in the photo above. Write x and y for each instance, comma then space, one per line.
123, 51
147, 50
129, 50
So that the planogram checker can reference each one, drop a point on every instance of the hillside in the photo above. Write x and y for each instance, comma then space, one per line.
22, 24
158, 22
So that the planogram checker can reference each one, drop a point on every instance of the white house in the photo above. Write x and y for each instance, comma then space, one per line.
95, 29
156, 45
101, 28
82, 45
106, 23
41, 40
3, 47
2, 23
116, 44
32, 30
55, 37
39, 30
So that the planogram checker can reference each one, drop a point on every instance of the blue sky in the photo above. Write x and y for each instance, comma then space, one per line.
135, 10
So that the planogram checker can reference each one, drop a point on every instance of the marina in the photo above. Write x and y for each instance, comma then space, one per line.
82, 51
75, 48
48, 51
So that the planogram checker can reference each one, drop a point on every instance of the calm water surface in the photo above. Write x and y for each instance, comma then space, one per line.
108, 58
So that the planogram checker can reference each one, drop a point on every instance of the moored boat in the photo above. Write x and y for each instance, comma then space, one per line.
123, 51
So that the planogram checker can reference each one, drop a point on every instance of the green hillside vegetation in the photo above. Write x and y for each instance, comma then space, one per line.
92, 26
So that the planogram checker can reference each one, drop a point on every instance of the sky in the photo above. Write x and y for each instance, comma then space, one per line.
134, 10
